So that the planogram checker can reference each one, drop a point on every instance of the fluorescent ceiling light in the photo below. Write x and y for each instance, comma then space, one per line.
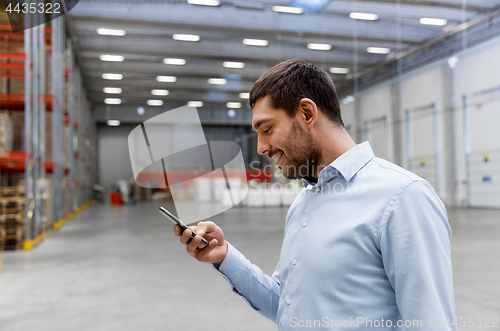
155, 102
166, 79
159, 92
186, 37
340, 71
433, 21
113, 122
112, 76
363, 16
141, 110
111, 58
288, 10
245, 95
112, 101
378, 50
217, 81
174, 62
348, 99
112, 90
213, 3
255, 42
233, 105
234, 65
195, 104
319, 47
111, 32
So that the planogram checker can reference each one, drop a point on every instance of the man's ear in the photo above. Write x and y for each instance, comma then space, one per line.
308, 112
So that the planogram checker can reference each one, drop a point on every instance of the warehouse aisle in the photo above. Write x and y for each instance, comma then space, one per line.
122, 269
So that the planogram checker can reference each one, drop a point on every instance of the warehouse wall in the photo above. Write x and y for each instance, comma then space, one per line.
114, 160
436, 140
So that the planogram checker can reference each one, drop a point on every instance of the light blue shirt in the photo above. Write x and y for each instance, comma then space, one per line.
367, 247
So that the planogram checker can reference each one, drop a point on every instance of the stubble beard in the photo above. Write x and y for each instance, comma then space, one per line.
305, 160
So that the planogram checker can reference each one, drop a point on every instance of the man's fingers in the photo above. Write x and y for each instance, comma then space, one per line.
186, 236
191, 247
202, 255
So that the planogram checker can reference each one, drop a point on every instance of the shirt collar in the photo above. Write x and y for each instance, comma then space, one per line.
347, 164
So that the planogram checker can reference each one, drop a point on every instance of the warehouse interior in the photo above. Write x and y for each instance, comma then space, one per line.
83, 244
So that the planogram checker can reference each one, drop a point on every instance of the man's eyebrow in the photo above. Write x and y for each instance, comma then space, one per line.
259, 123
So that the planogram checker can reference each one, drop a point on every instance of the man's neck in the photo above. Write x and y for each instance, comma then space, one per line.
333, 144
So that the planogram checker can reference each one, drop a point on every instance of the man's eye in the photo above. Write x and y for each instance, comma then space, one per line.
267, 131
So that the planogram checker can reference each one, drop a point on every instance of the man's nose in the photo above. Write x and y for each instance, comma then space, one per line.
263, 147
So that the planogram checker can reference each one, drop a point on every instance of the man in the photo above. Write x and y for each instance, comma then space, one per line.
367, 243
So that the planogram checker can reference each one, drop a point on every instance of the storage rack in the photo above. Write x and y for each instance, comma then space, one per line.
58, 173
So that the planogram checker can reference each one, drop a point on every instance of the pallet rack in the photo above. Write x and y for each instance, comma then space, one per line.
57, 175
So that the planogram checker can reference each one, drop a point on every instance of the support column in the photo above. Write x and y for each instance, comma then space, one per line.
449, 138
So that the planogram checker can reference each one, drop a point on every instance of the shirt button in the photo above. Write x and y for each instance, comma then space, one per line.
288, 301
294, 261
318, 189
304, 224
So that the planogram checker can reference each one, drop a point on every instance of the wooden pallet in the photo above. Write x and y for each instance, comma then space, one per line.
12, 244
12, 218
12, 202
12, 191
9, 211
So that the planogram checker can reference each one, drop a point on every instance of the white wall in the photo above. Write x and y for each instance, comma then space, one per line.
478, 69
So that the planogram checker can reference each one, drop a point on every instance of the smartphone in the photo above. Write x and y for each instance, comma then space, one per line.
183, 226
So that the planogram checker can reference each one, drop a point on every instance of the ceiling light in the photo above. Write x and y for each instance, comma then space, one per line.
111, 58
113, 122
159, 92
340, 71
112, 101
348, 99
378, 50
288, 10
234, 65
174, 62
363, 16
231, 113
141, 110
245, 95
195, 104
155, 102
111, 32
452, 62
213, 3
255, 42
166, 79
112, 76
319, 47
186, 37
112, 90
217, 81
433, 21
233, 105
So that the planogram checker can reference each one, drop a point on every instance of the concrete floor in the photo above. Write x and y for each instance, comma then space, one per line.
121, 268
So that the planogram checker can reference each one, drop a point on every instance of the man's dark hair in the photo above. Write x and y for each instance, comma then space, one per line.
289, 81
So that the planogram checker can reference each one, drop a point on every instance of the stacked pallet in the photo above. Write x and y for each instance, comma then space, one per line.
12, 207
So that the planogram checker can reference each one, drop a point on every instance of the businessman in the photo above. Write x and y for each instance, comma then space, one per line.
366, 244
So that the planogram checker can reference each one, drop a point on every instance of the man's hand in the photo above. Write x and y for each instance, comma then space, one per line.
215, 252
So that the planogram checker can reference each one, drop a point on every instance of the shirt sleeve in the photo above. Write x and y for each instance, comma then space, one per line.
415, 247
248, 281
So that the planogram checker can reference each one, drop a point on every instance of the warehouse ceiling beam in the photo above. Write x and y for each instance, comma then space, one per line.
130, 47
235, 18
425, 3
86, 25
